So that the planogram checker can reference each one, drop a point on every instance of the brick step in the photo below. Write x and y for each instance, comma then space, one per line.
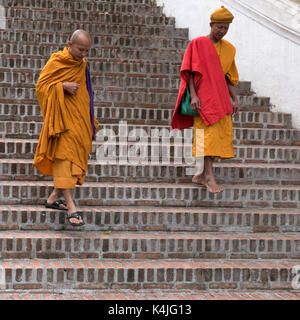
147, 245
155, 194
43, 50
25, 149
226, 173
14, 66
132, 97
106, 24
16, 14
120, 74
146, 274
117, 41
144, 295
76, 4
152, 219
143, 82
91, 10
257, 136
99, 68
105, 114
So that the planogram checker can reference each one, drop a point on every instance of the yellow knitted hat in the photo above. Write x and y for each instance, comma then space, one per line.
221, 15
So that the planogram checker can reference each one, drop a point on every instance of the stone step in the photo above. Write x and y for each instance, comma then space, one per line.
87, 12
43, 50
144, 295
146, 274
114, 40
153, 219
28, 15
118, 81
226, 173
106, 113
155, 194
107, 24
147, 245
110, 152
257, 136
78, 5
133, 97
99, 68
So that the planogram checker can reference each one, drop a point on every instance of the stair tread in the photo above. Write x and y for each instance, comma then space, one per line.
216, 164
158, 294
156, 264
147, 235
104, 209
147, 185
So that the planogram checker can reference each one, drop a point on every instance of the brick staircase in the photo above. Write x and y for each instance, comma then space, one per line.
149, 233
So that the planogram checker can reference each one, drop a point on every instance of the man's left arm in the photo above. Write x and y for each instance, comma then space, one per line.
233, 96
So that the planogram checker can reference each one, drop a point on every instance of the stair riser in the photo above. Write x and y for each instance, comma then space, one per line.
79, 5
141, 42
29, 112
156, 195
26, 150
82, 277
240, 136
45, 50
97, 68
160, 173
92, 12
133, 26
28, 218
119, 248
110, 88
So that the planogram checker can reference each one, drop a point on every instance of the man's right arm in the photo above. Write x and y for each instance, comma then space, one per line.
195, 101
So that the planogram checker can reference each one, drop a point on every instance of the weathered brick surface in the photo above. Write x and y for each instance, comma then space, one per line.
145, 245
149, 295
166, 234
106, 193
140, 274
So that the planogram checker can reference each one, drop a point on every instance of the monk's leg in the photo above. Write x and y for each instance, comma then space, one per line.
56, 195
211, 183
199, 177
67, 193
65, 179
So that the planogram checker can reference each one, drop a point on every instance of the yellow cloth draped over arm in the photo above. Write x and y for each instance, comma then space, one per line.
67, 131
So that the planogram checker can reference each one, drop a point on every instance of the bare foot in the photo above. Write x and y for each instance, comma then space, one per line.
199, 179
212, 186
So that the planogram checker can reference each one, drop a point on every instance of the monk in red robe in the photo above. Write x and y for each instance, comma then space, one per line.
209, 72
65, 97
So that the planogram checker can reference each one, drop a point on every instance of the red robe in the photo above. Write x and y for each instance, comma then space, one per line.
202, 60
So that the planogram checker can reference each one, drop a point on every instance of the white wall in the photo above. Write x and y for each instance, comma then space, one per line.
266, 57
2, 18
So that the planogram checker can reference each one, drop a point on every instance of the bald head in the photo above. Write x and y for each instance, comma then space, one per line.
79, 36
79, 44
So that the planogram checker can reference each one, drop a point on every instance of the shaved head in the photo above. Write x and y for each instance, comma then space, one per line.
79, 44
80, 35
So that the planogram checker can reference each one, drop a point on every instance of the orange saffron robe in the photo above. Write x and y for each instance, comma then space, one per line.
218, 138
67, 131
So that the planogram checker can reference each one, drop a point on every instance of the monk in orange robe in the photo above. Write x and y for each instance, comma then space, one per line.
209, 98
65, 97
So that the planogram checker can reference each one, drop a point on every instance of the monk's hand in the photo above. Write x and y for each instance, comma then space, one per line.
236, 107
70, 87
195, 103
